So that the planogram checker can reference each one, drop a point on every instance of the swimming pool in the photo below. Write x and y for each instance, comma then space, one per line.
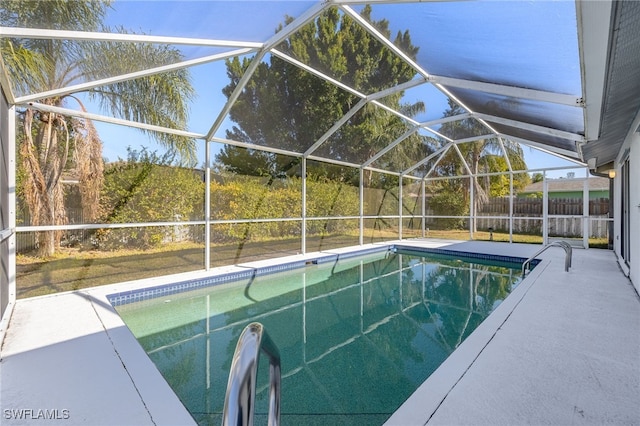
357, 336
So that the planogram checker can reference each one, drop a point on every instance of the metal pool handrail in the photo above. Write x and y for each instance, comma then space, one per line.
567, 260
239, 401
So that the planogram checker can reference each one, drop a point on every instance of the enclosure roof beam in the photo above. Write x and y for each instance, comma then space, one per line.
446, 120
504, 153
397, 88
395, 112
532, 127
82, 87
382, 39
335, 127
317, 73
444, 152
425, 160
300, 21
475, 138
565, 154
256, 147
464, 162
509, 91
111, 120
390, 146
47, 34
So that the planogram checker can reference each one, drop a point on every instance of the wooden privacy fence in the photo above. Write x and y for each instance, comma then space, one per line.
533, 206
568, 227
558, 226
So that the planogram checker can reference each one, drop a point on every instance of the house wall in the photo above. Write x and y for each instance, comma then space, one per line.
632, 146
634, 168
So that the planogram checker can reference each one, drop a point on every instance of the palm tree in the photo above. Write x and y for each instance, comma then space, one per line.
54, 143
479, 155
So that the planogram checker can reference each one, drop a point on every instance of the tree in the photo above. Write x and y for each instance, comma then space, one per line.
287, 107
481, 156
54, 144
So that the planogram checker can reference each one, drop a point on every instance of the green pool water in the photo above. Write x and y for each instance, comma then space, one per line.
356, 337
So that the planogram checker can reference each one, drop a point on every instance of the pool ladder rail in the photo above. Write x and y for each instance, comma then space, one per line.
567, 259
239, 401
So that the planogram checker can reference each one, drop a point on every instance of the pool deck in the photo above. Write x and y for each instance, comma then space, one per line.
564, 348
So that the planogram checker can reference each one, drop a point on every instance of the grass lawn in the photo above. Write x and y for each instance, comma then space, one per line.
73, 269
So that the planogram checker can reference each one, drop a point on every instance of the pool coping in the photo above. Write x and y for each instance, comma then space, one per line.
427, 398
440, 382
150, 398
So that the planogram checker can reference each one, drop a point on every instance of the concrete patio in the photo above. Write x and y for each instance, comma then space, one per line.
562, 349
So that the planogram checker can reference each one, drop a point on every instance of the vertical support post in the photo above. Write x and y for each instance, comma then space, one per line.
400, 304
207, 205
11, 199
400, 208
545, 209
361, 207
208, 335
423, 207
471, 206
303, 240
8, 213
586, 220
510, 207
362, 297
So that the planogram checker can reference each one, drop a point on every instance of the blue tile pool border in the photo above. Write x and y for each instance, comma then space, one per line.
472, 255
131, 296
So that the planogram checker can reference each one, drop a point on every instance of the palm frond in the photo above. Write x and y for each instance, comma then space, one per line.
27, 68
160, 99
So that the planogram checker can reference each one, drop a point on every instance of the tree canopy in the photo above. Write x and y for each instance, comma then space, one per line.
286, 107
479, 157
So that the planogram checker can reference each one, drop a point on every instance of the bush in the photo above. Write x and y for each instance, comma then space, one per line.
147, 190
449, 203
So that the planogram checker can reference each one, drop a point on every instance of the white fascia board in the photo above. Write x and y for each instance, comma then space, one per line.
594, 29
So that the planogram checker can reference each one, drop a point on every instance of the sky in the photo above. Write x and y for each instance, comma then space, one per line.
464, 37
